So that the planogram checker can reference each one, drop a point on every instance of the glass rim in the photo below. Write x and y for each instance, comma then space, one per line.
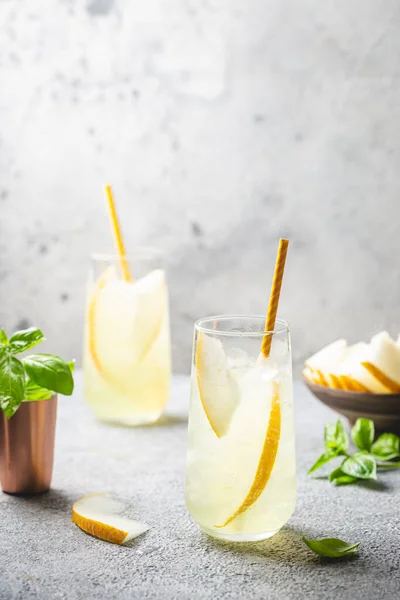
138, 252
281, 326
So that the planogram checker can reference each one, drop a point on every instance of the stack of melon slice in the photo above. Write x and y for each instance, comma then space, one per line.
373, 367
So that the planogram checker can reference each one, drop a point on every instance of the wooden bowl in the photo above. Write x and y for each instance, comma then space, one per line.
383, 409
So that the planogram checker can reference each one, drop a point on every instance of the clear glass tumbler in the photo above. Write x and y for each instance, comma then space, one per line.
241, 470
127, 354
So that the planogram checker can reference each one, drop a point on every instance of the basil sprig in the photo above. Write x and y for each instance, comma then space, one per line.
35, 377
363, 464
331, 547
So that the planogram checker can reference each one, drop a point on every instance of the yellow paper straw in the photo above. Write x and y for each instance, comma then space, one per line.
117, 235
274, 297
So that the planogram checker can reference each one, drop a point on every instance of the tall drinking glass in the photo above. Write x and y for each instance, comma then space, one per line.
127, 356
241, 472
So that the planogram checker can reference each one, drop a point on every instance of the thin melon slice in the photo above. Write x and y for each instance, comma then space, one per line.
218, 389
382, 362
267, 459
125, 319
98, 515
324, 362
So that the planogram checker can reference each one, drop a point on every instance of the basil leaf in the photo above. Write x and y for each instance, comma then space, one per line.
363, 433
36, 392
3, 338
50, 372
338, 477
330, 435
386, 447
9, 405
342, 439
360, 465
335, 437
25, 339
12, 383
12, 377
322, 460
331, 547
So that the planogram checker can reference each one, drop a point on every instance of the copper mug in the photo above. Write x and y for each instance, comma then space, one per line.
27, 447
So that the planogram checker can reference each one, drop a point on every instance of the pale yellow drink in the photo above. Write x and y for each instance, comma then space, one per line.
241, 473
127, 358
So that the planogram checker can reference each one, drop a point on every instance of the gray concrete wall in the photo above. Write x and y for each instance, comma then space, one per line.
222, 125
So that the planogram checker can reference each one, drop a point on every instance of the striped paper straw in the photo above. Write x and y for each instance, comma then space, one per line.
117, 234
274, 297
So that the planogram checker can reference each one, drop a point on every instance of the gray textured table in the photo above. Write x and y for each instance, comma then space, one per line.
43, 555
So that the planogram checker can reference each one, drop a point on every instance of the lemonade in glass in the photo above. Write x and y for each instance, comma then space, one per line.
241, 472
127, 356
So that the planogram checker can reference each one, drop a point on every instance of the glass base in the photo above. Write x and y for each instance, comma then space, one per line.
134, 421
240, 537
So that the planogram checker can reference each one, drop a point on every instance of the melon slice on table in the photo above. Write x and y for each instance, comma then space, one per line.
382, 362
99, 515
124, 321
322, 363
218, 389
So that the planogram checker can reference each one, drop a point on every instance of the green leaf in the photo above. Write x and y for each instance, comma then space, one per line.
322, 460
336, 438
386, 447
331, 547
330, 435
12, 383
338, 477
9, 405
25, 339
342, 439
363, 433
50, 372
3, 338
360, 465
36, 392
12, 377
